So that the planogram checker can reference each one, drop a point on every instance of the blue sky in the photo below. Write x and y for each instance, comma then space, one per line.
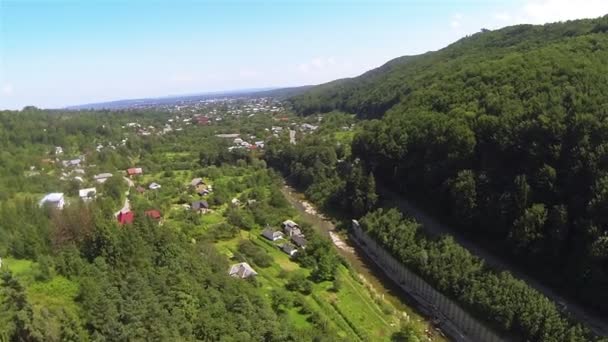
55, 53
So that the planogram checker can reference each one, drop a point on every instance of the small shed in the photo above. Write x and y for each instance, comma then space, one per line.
289, 249
200, 206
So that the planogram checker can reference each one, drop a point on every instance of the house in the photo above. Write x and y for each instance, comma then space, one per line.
289, 249
102, 177
201, 206
228, 136
203, 192
58, 150
196, 182
235, 201
299, 240
309, 127
154, 186
291, 228
242, 270
203, 120
153, 214
87, 194
72, 162
54, 199
134, 171
272, 235
125, 217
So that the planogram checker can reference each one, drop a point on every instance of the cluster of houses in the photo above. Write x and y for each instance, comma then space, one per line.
291, 231
239, 143
57, 199
202, 189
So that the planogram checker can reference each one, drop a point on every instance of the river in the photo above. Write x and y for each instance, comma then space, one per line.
360, 263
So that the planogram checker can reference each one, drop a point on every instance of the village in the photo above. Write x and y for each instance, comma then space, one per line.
290, 240
233, 204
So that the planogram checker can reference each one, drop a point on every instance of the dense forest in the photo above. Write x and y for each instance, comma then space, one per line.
342, 187
503, 135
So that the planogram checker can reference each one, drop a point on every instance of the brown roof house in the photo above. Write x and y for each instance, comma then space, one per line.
200, 206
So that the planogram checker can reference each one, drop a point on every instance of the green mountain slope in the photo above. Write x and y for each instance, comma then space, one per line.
513, 63
503, 135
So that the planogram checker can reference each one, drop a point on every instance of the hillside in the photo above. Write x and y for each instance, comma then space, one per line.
502, 135
515, 63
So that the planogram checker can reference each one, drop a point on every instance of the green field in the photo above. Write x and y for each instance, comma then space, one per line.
352, 310
51, 299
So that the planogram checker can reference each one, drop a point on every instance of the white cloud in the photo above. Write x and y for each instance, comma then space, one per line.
7, 89
526, 12
456, 21
503, 17
544, 11
549, 11
320, 63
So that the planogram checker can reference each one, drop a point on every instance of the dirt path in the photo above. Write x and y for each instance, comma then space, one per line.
127, 205
435, 228
292, 136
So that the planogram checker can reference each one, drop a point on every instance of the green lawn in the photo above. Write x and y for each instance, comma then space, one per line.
20, 268
57, 293
50, 299
352, 310
355, 303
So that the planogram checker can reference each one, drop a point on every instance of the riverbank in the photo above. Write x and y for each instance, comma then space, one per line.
370, 274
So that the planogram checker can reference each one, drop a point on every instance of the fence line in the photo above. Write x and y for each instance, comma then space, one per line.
453, 320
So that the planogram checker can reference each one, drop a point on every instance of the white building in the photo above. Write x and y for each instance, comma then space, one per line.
242, 270
102, 177
154, 186
87, 194
54, 199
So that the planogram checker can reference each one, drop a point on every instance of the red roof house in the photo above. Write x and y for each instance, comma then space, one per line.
125, 217
153, 214
134, 171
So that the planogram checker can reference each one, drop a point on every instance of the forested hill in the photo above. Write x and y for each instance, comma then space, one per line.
503, 135
514, 69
